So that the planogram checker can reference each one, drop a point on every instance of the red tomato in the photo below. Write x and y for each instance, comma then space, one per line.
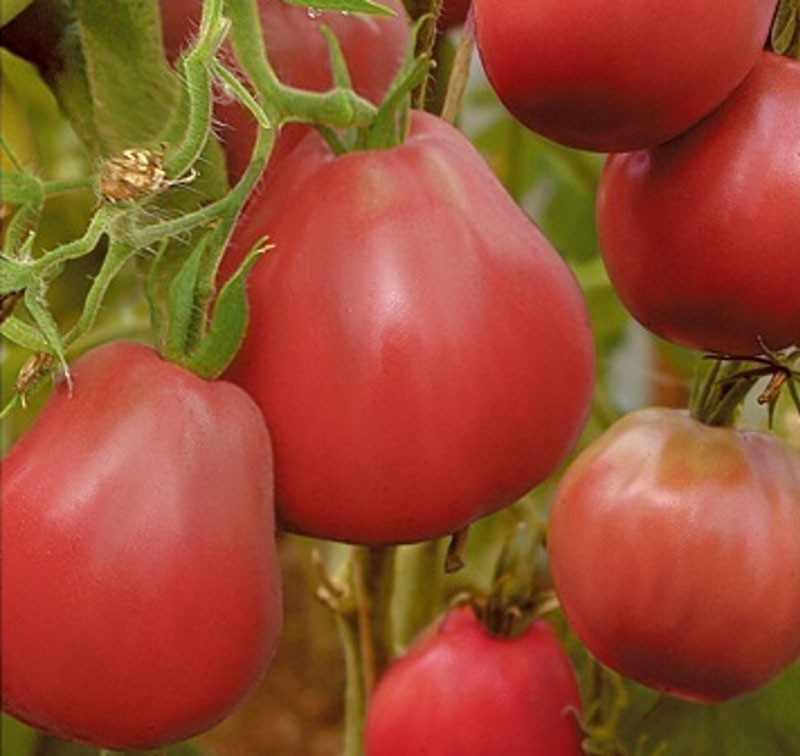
460, 691
620, 74
422, 355
373, 46
701, 236
675, 552
454, 13
141, 594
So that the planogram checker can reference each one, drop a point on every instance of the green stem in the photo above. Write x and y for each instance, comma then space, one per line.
377, 564
721, 391
459, 73
338, 108
78, 248
418, 589
355, 698
425, 43
116, 257
194, 116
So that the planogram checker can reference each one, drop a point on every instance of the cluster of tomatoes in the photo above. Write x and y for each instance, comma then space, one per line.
418, 357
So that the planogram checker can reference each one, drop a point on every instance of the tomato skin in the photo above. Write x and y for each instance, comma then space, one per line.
141, 593
675, 551
453, 14
421, 354
373, 47
618, 75
460, 691
701, 236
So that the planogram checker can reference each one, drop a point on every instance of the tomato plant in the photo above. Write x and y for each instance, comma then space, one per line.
700, 236
372, 46
460, 691
137, 530
421, 354
423, 360
617, 76
675, 551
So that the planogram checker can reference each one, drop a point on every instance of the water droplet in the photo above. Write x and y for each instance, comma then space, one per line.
313, 13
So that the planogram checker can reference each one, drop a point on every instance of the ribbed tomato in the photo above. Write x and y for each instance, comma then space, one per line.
675, 552
141, 593
420, 352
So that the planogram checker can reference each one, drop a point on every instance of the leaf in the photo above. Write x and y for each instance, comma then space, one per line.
131, 83
346, 6
764, 722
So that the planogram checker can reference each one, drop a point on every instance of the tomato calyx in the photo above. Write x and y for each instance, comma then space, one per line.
730, 379
520, 589
784, 36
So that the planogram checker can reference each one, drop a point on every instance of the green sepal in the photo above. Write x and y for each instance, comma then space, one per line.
228, 324
785, 32
24, 334
341, 73
348, 6
183, 305
389, 126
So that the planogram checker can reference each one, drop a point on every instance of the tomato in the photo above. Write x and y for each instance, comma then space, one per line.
460, 691
141, 594
454, 13
373, 46
621, 74
675, 551
701, 236
421, 354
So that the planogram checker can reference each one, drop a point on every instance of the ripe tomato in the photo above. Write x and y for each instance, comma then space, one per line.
460, 691
454, 13
675, 551
373, 46
421, 354
701, 236
620, 74
141, 594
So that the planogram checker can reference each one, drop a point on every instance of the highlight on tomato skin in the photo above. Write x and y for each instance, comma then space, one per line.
700, 236
459, 691
618, 75
421, 353
141, 591
675, 552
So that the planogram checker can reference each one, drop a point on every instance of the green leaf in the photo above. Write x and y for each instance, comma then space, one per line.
764, 722
131, 83
347, 6
228, 324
